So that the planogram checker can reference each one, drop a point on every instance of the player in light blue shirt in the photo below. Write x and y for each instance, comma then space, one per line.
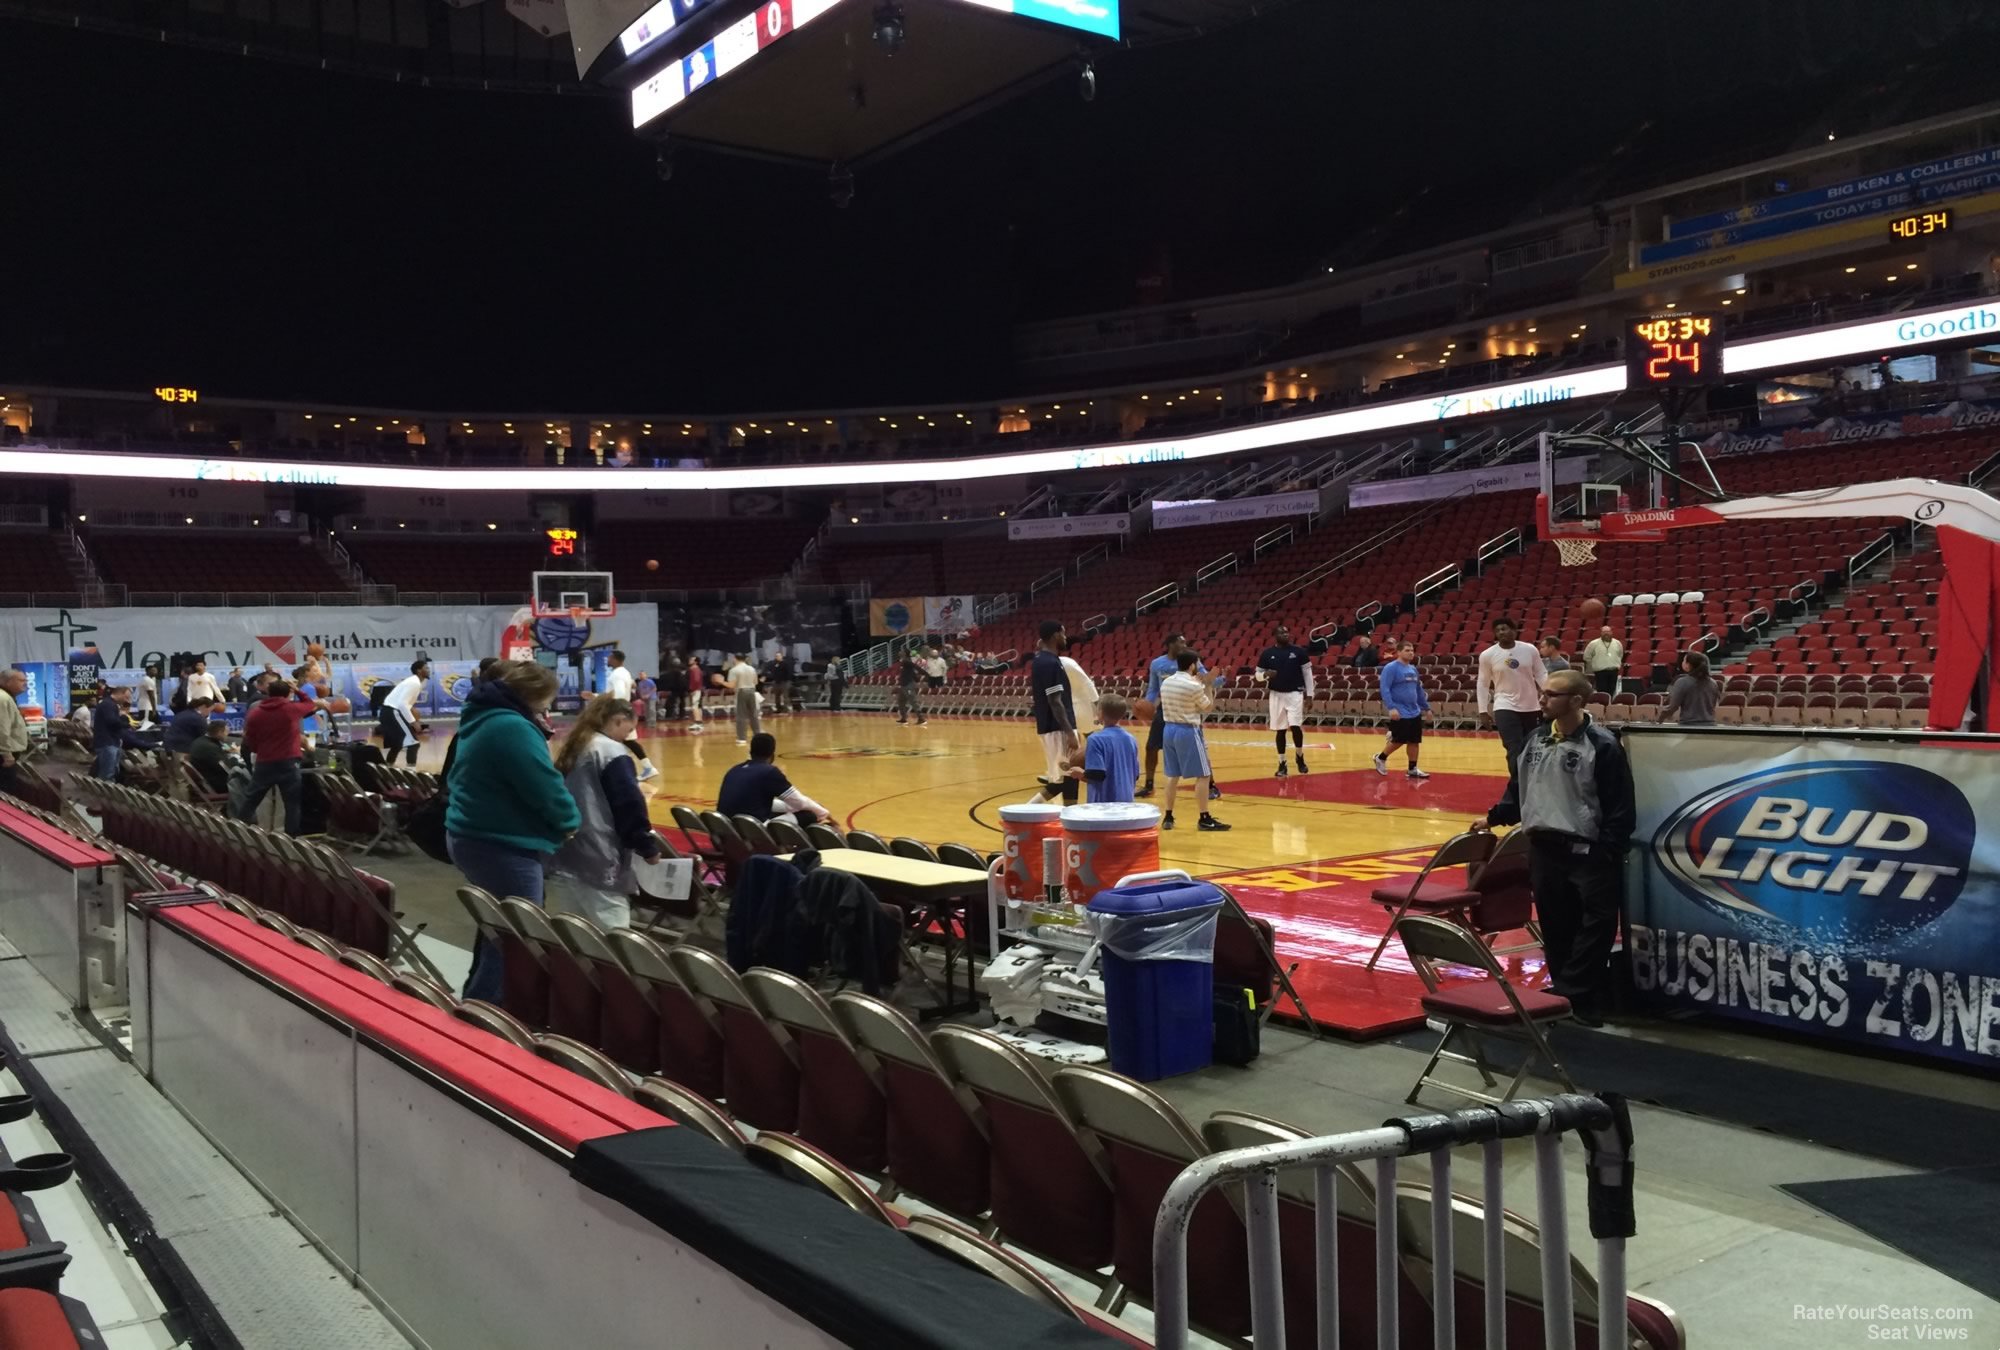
1110, 755
1404, 697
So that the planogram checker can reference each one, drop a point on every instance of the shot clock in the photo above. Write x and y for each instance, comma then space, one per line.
1673, 351
562, 542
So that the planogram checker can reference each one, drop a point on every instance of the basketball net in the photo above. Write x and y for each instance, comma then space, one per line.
1576, 550
579, 616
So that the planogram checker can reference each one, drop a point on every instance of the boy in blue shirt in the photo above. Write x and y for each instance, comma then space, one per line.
1403, 695
1111, 757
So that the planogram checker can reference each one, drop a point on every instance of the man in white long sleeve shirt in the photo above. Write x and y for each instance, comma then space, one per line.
1510, 689
398, 722
619, 684
201, 684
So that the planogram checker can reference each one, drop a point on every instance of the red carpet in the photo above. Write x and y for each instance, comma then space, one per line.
1327, 924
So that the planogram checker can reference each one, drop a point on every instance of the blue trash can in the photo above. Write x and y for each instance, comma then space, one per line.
1158, 962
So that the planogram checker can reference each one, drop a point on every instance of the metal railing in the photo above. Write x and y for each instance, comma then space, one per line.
1605, 1127
1154, 599
995, 606
1355, 553
1095, 553
1096, 622
1047, 581
1983, 470
1443, 579
1271, 539
1367, 611
1508, 541
1867, 555
1220, 567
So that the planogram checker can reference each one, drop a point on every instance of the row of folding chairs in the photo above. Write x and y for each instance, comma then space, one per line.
793, 1156
306, 882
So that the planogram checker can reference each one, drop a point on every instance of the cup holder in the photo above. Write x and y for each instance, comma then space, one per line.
37, 1172
16, 1106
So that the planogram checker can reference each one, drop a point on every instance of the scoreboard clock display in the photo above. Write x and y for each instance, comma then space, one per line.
562, 543
170, 393
1673, 351
1920, 223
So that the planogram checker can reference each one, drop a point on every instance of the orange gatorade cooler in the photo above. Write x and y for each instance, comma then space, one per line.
1025, 827
1106, 842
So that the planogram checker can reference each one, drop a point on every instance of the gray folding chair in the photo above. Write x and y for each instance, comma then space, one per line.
1474, 1010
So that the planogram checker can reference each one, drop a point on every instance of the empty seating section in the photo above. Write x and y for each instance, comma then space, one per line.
697, 554
212, 561
502, 567
970, 562
29, 562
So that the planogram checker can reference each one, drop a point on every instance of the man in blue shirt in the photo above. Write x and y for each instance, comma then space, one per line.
1111, 757
111, 733
1054, 707
759, 789
1161, 667
1403, 695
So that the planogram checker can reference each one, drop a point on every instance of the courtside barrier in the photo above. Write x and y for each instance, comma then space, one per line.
62, 906
486, 1199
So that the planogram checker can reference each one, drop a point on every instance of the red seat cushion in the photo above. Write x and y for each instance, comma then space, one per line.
29, 1317
12, 1236
1485, 1001
1430, 895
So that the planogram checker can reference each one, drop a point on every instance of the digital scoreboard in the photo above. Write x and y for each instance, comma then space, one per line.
1917, 224
1673, 351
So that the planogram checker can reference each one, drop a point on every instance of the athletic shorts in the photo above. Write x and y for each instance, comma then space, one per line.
1288, 710
1406, 731
1186, 755
1055, 754
1154, 729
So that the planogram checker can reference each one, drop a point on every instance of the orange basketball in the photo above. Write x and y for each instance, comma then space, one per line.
1593, 609
1142, 710
652, 564
339, 705
717, 680
314, 650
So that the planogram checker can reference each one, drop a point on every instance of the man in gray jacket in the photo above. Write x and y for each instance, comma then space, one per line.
1575, 799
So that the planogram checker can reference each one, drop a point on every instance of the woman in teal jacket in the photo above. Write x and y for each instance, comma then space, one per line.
507, 808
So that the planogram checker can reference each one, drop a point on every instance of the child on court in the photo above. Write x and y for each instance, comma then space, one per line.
1110, 764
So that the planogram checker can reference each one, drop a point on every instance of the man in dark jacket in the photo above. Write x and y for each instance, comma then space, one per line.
112, 733
1573, 794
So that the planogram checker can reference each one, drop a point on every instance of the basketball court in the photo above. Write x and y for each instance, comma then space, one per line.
1304, 852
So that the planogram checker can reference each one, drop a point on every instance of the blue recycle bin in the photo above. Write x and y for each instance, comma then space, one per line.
1158, 962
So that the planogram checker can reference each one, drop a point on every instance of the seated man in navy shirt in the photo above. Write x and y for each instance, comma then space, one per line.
759, 789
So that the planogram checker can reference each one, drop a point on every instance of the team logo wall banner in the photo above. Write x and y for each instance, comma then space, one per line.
1847, 889
895, 617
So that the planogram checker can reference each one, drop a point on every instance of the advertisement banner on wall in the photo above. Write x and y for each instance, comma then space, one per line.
948, 613
895, 617
1063, 527
251, 639
1175, 515
1438, 486
1838, 887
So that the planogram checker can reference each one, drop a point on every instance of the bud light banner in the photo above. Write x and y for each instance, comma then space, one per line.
1839, 886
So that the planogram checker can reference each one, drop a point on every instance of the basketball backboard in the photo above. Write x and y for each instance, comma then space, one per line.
574, 595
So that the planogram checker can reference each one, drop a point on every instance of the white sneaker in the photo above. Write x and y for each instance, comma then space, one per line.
648, 770
1415, 774
1382, 764
743, 742
695, 730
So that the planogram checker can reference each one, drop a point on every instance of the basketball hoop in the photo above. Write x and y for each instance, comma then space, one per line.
579, 616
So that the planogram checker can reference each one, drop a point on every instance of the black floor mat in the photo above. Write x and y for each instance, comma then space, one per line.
1943, 1219
1841, 1113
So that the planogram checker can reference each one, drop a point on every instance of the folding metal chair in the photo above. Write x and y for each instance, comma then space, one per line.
1461, 850
585, 1061
958, 1243
690, 1038
1479, 1009
796, 1160
866, 841
416, 986
690, 1108
823, 836
488, 1017
755, 835
842, 1108
788, 837
961, 855
914, 849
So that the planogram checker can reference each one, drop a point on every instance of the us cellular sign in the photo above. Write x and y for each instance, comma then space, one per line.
1845, 887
